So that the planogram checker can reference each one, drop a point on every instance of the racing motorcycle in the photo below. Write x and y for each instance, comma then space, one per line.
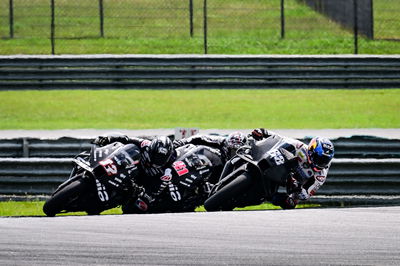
187, 182
100, 179
254, 175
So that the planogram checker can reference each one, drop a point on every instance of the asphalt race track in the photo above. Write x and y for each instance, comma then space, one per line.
340, 236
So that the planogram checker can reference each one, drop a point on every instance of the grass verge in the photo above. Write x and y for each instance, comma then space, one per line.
207, 109
34, 208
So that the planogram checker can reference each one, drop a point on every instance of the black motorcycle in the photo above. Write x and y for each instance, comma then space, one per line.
187, 182
254, 175
100, 179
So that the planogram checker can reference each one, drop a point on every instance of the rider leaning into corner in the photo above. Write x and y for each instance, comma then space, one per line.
154, 156
311, 171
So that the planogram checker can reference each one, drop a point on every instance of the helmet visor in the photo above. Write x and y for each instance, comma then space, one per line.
320, 161
160, 160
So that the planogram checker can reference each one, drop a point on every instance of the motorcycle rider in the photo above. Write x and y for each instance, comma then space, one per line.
311, 171
155, 155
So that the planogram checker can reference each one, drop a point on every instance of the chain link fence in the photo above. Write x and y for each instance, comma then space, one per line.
199, 26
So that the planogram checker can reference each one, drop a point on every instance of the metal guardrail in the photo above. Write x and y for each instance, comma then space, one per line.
352, 147
32, 176
361, 181
197, 72
31, 147
363, 177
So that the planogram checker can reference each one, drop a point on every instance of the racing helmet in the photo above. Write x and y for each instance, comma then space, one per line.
158, 153
320, 153
235, 140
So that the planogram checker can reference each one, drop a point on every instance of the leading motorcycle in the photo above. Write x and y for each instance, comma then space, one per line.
254, 175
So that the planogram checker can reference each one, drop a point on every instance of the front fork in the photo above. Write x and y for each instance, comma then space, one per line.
77, 172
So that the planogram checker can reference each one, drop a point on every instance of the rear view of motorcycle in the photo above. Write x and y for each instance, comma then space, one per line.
100, 179
187, 182
196, 171
255, 174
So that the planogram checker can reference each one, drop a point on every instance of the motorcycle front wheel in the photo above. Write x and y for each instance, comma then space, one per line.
61, 200
223, 199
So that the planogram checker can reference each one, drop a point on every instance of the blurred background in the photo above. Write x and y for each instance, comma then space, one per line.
199, 27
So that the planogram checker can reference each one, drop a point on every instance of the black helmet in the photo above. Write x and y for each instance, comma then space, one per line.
158, 153
236, 140
320, 153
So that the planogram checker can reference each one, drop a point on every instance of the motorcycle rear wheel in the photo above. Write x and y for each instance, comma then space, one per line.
62, 198
222, 199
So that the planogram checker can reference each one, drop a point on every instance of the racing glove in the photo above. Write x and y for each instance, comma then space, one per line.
143, 199
137, 190
143, 202
179, 143
105, 140
259, 133
292, 185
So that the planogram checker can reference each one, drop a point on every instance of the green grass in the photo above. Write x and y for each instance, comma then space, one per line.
207, 109
34, 208
162, 27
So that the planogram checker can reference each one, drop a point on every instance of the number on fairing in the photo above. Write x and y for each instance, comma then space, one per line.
109, 166
180, 168
173, 191
278, 157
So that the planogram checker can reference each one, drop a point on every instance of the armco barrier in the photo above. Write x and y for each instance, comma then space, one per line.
197, 72
352, 147
32, 176
363, 177
52, 148
368, 181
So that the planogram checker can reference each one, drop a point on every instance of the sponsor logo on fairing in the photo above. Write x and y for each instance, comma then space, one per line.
101, 191
174, 192
180, 168
167, 175
141, 205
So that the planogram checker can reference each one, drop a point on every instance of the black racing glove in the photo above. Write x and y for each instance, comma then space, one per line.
137, 191
105, 140
292, 185
259, 133
178, 143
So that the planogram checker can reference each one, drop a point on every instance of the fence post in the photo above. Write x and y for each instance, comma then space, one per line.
372, 19
282, 19
11, 18
191, 17
205, 26
52, 28
25, 147
355, 8
101, 11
